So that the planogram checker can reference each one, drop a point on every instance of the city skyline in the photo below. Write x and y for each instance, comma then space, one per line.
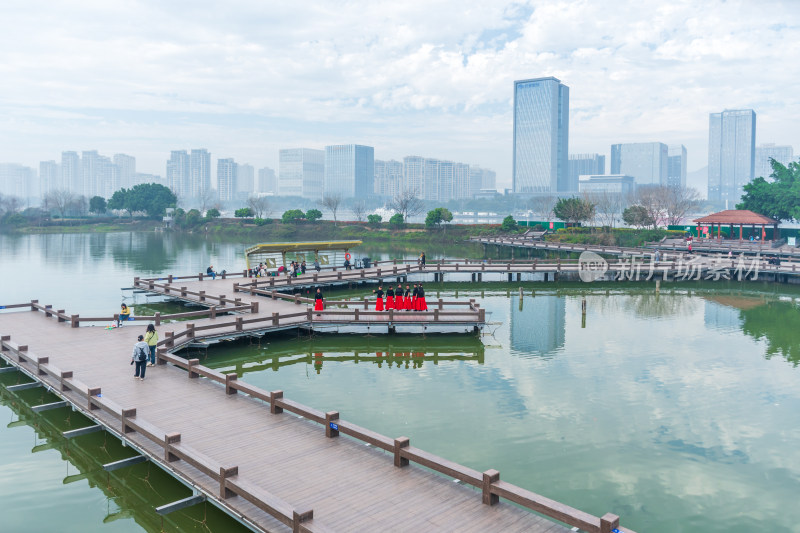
236, 82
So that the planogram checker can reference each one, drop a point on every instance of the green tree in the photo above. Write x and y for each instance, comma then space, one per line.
436, 217
374, 220
574, 209
638, 215
244, 212
396, 221
193, 217
97, 205
213, 213
150, 198
292, 215
779, 199
312, 215
509, 224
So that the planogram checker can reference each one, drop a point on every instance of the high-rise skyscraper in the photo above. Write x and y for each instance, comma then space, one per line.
18, 180
731, 155
49, 177
199, 172
461, 181
646, 162
301, 172
586, 164
676, 165
245, 181
178, 174
481, 179
71, 172
413, 173
541, 132
126, 166
388, 178
90, 173
765, 152
349, 170
226, 179
267, 181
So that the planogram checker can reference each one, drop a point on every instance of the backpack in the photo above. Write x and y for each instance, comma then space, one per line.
141, 355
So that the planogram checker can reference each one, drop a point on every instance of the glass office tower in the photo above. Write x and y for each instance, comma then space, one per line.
731, 155
349, 170
646, 162
541, 130
766, 152
676, 166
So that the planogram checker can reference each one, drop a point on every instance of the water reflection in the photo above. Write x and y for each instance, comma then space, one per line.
398, 351
538, 324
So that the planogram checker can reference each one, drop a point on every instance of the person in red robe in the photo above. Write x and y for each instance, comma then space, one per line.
421, 304
319, 301
390, 298
379, 298
407, 299
414, 294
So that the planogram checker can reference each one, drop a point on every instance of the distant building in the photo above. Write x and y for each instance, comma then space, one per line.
541, 132
461, 181
178, 174
481, 179
676, 165
267, 181
126, 166
199, 173
586, 164
301, 172
614, 183
388, 180
349, 170
414, 174
71, 172
49, 177
226, 179
245, 181
764, 152
18, 180
731, 155
646, 162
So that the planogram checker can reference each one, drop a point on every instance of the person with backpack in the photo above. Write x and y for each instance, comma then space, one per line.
139, 358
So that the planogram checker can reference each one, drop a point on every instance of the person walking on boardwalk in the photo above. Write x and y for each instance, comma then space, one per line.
421, 303
124, 314
390, 298
379, 298
319, 301
151, 338
139, 358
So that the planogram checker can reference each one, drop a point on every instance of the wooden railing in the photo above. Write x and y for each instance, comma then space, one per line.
402, 453
228, 477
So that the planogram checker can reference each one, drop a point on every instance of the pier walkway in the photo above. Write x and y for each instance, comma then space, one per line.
268, 461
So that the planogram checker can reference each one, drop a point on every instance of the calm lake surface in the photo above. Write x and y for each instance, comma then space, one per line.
679, 411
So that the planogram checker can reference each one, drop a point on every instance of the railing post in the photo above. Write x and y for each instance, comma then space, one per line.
235, 287
200, 276
399, 444
190, 334
47, 309
239, 323
169, 440
224, 473
157, 318
441, 305
391, 315
213, 311
229, 379
298, 517
93, 391
482, 315
330, 418
274, 396
65, 375
169, 279
366, 304
183, 292
273, 295
160, 357
126, 414
275, 319
254, 307
192, 363
608, 523
221, 299
436, 315
74, 321
136, 281
39, 362
489, 477
356, 312
33, 304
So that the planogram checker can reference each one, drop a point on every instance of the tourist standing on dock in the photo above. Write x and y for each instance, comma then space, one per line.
390, 298
422, 305
379, 298
303, 267
319, 301
139, 358
422, 258
151, 338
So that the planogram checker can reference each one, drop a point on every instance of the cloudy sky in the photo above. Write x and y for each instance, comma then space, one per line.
432, 78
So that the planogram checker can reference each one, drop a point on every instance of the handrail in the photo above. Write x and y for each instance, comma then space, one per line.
230, 482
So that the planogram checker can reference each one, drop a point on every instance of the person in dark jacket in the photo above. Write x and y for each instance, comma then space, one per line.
139, 358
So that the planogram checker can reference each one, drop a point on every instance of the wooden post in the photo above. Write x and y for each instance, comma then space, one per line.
192, 364
274, 396
126, 414
39, 362
92, 391
235, 287
309, 314
608, 523
356, 311
399, 444
213, 311
190, 334
65, 375
239, 323
275, 319
229, 379
157, 318
183, 292
298, 517
482, 315
366, 303
489, 477
200, 276
441, 306
330, 420
224, 473
160, 357
221, 299
169, 440
169, 279
254, 307
435, 315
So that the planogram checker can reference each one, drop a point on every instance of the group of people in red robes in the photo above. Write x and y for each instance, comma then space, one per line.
401, 300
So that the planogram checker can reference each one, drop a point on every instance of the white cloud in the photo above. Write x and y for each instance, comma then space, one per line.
433, 78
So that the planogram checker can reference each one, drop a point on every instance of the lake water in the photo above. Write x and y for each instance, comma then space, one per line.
679, 411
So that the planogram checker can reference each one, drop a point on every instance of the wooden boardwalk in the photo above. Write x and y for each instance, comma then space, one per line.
247, 449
